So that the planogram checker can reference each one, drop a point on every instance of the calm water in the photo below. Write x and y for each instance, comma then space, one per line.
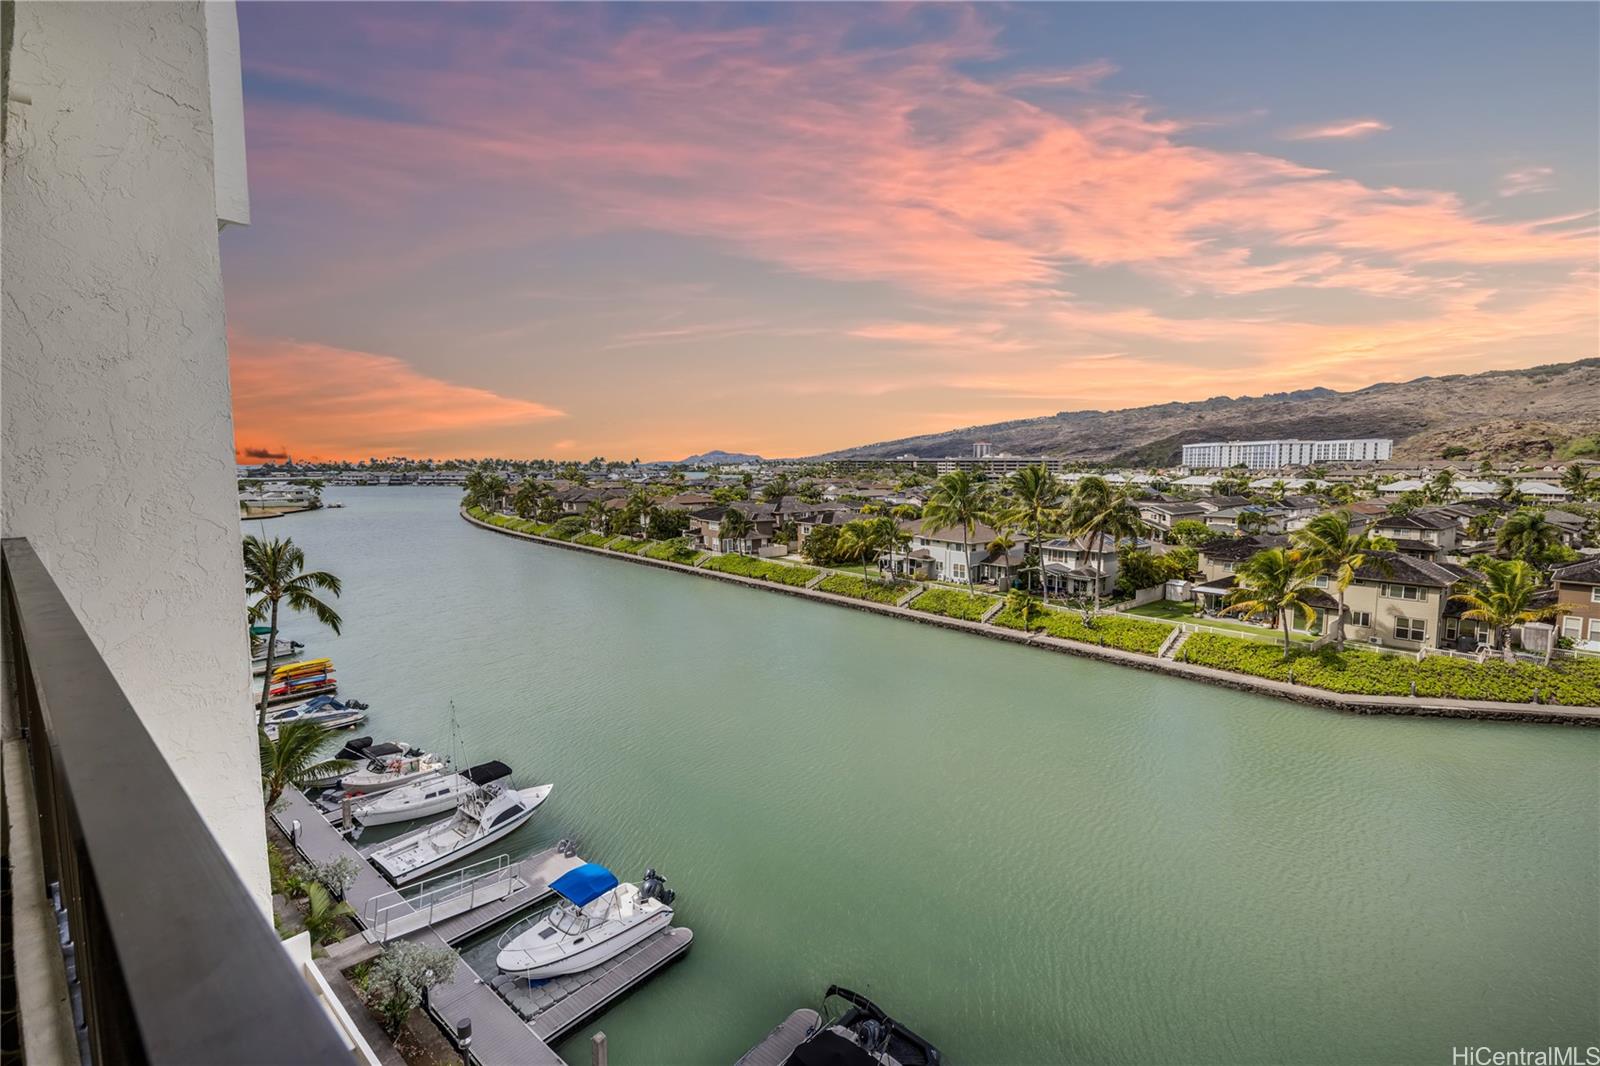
1028, 857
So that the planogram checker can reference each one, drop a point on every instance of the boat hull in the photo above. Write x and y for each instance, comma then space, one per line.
362, 783
384, 858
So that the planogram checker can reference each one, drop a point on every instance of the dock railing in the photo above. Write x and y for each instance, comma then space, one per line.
168, 957
442, 896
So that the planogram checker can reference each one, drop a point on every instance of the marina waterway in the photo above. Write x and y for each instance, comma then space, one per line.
1028, 857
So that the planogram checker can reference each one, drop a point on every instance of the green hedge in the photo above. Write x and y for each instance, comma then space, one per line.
761, 569
520, 525
856, 587
629, 546
670, 551
592, 540
1356, 671
954, 604
1108, 630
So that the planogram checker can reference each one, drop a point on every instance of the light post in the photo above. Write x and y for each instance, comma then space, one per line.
464, 1038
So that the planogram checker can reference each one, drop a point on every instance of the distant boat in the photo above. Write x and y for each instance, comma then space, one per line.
424, 799
282, 651
596, 920
490, 813
392, 770
324, 710
862, 1036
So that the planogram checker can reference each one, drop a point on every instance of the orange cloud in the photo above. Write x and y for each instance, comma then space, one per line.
332, 403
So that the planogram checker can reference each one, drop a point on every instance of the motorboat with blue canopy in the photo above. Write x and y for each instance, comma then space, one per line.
596, 919
585, 884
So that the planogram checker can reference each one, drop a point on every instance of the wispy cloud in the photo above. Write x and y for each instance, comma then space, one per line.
1526, 180
1341, 130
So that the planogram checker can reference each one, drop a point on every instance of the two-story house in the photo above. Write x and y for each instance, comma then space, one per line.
945, 553
1578, 602
1075, 566
1160, 515
706, 528
1422, 534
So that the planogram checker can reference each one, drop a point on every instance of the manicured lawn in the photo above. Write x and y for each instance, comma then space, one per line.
629, 546
1172, 610
1107, 630
851, 585
760, 569
952, 603
1368, 673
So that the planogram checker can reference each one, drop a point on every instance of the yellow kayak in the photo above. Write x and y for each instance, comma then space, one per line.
307, 666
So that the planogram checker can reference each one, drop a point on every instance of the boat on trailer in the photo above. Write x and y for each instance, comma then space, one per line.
861, 1035
597, 919
492, 811
424, 799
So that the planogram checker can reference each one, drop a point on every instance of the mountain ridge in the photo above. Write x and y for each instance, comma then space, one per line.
1530, 413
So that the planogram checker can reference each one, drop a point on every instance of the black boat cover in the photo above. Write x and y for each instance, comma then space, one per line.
485, 772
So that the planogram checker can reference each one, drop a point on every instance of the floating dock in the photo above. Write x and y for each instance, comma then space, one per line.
781, 1042
513, 1023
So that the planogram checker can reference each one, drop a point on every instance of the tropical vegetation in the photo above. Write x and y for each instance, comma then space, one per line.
275, 574
297, 754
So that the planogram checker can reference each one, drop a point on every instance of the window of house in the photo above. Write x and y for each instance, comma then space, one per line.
959, 571
1361, 618
1402, 592
1410, 629
1572, 626
1594, 594
1321, 581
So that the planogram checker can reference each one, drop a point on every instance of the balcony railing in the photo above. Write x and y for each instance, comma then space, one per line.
169, 958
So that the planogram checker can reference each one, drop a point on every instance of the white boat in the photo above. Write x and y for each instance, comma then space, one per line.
490, 813
597, 919
324, 710
355, 753
424, 799
283, 651
388, 770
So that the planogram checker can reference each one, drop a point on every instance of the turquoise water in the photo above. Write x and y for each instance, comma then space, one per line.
1028, 857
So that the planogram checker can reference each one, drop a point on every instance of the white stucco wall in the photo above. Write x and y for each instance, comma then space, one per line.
115, 412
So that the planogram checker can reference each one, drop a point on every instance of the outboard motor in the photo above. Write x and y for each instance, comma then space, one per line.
873, 1036
654, 886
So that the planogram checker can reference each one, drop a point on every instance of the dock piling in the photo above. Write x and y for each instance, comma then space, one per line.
597, 1050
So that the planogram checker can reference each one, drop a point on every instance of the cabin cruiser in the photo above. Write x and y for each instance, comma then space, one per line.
863, 1035
423, 799
491, 812
387, 770
324, 710
354, 753
596, 919
282, 651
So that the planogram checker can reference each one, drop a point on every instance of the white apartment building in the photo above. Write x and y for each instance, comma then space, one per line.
1273, 454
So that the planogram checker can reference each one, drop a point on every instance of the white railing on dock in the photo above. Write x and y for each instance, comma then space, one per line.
444, 896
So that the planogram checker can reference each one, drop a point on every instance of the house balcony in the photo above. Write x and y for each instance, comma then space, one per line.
130, 937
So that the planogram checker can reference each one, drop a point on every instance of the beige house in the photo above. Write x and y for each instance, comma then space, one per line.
1578, 602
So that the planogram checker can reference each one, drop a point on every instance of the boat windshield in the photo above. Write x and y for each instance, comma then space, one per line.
569, 919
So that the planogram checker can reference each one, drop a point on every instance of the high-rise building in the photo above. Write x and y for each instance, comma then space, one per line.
1272, 454
982, 450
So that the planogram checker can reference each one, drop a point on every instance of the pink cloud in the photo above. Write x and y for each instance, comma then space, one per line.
1343, 130
335, 403
1526, 180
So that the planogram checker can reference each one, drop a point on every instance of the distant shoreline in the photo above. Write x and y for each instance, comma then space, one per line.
1371, 705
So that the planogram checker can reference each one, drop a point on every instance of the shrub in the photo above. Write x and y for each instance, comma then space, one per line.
761, 569
1107, 630
1356, 671
677, 550
861, 589
953, 603
395, 983
591, 540
568, 528
629, 546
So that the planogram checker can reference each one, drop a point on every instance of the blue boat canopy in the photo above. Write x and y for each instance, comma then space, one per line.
586, 883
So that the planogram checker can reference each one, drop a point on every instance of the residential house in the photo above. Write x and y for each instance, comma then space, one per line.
1425, 534
1261, 517
1161, 515
1578, 602
1075, 566
705, 527
1219, 562
946, 553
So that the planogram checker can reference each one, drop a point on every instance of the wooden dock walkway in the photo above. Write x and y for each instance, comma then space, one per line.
553, 1008
320, 841
534, 875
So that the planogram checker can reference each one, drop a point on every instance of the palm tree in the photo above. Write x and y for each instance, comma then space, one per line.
597, 514
1480, 525
1502, 597
295, 756
1098, 511
1527, 535
526, 499
735, 526
1575, 479
275, 571
957, 499
1276, 582
1329, 544
865, 538
1444, 485
1035, 502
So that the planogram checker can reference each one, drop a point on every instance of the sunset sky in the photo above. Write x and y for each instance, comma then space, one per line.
645, 231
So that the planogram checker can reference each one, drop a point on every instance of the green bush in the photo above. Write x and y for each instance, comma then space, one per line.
677, 550
629, 546
1108, 630
856, 587
568, 528
1359, 672
591, 540
952, 603
761, 569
